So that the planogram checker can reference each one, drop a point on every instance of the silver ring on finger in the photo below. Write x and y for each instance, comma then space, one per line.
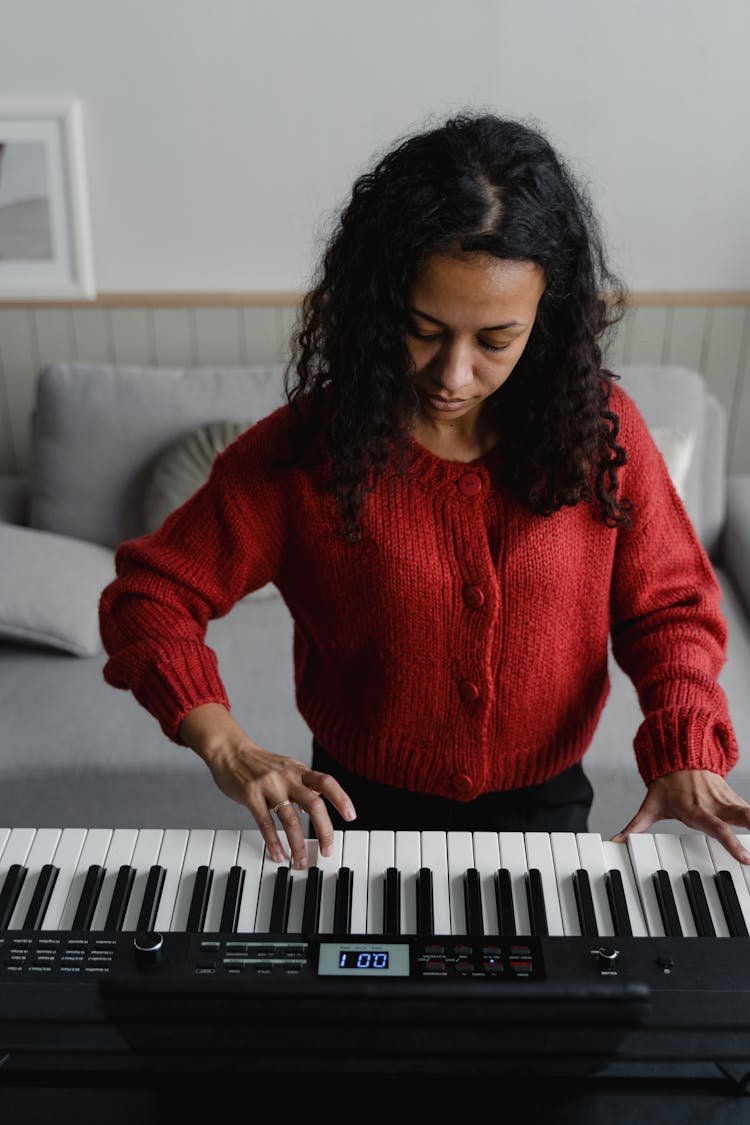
280, 805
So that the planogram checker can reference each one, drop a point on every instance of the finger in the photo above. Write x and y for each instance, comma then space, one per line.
721, 831
327, 785
268, 830
321, 824
292, 825
641, 822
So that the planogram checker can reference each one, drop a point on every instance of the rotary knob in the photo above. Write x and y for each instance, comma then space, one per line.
148, 946
606, 957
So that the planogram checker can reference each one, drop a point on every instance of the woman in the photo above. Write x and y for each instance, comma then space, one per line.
460, 508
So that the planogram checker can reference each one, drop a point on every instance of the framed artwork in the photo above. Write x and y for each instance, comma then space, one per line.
45, 233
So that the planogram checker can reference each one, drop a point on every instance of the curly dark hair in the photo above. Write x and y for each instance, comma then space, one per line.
480, 184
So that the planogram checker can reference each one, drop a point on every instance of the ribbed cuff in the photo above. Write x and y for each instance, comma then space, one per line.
177, 684
681, 738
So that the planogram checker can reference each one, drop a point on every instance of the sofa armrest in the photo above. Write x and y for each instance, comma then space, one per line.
15, 500
736, 546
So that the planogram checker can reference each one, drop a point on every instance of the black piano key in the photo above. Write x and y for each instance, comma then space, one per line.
730, 904
311, 905
282, 890
473, 901
585, 903
151, 898
618, 903
120, 897
230, 911
45, 884
392, 901
696, 894
199, 900
506, 915
425, 902
342, 905
667, 905
535, 896
89, 897
11, 890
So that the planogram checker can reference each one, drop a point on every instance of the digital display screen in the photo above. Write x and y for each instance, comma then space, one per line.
363, 959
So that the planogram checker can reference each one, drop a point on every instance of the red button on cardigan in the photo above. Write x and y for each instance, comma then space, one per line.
473, 597
469, 484
463, 783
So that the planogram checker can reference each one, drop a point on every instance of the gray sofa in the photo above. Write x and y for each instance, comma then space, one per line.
76, 752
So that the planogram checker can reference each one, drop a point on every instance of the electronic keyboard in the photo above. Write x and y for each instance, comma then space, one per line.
127, 950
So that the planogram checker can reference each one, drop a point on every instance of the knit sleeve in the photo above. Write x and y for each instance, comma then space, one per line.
668, 632
223, 543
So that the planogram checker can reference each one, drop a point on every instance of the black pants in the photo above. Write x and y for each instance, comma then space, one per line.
560, 804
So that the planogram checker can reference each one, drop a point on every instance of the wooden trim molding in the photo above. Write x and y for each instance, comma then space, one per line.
689, 299
166, 301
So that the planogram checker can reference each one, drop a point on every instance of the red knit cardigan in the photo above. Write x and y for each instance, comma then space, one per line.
462, 645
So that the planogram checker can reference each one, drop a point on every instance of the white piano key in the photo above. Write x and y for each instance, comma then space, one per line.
250, 854
16, 850
4, 837
119, 852
672, 860
744, 866
593, 862
171, 858
617, 857
94, 850
329, 867
435, 856
66, 857
197, 854
355, 855
566, 861
513, 857
223, 856
41, 852
408, 860
299, 888
145, 855
487, 862
645, 860
382, 856
698, 858
739, 872
198, 850
460, 859
539, 855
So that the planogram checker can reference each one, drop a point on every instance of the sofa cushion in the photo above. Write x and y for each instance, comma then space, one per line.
98, 429
49, 589
183, 467
14, 500
676, 446
671, 396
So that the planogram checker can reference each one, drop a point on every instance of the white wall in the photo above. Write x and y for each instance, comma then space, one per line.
221, 136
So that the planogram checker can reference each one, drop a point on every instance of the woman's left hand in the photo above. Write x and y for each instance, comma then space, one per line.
700, 799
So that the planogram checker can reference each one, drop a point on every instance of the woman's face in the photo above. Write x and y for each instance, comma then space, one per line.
469, 317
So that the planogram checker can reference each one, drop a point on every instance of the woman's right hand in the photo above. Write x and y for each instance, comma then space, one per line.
266, 783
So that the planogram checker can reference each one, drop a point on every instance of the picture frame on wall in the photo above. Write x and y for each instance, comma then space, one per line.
45, 232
